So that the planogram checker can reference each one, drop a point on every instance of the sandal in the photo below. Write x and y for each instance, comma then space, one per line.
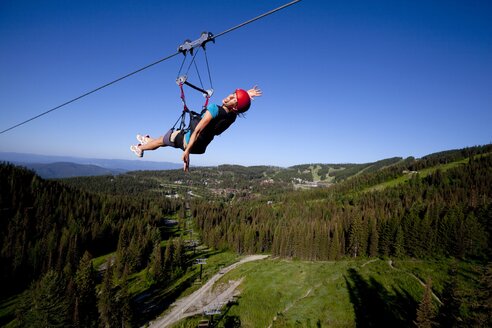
143, 139
136, 150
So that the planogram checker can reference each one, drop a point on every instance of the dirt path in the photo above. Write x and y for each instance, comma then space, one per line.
390, 263
287, 308
202, 298
370, 261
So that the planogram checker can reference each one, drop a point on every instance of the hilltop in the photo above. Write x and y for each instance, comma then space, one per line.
306, 175
243, 182
68, 166
230, 180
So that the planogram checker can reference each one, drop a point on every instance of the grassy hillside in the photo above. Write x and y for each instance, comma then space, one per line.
407, 175
367, 293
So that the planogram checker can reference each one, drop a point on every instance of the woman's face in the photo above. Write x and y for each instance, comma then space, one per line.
230, 101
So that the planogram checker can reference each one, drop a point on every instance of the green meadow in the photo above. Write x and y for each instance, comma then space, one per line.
363, 293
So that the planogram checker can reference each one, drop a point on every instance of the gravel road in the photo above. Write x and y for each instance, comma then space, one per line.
186, 306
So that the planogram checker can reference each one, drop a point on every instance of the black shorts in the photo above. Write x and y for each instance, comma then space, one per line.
199, 147
178, 141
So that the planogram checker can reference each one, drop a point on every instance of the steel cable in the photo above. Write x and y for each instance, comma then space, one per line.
146, 67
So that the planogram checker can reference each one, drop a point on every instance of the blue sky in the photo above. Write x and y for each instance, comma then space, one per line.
343, 81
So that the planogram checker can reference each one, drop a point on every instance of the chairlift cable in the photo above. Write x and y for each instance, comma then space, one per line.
145, 67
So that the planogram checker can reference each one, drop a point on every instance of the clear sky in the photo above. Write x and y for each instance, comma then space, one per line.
343, 81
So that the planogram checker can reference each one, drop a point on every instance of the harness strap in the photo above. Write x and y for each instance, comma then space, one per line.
183, 99
181, 80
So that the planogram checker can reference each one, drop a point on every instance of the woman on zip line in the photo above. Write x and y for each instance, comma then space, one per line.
213, 121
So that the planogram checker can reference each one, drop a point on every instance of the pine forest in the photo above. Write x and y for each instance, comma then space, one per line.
117, 251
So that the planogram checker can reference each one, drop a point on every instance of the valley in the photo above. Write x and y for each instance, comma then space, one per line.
346, 245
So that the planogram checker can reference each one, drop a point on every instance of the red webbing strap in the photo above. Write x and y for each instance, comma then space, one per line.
185, 108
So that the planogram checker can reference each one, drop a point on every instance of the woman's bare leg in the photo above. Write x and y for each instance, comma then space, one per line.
153, 144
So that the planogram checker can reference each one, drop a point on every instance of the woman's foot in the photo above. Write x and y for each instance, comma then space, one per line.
143, 139
136, 150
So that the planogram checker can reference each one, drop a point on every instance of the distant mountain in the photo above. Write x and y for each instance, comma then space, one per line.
65, 166
68, 170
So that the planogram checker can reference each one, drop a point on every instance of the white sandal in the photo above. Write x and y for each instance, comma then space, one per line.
136, 150
143, 139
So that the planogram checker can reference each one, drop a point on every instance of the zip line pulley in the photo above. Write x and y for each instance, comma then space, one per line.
189, 45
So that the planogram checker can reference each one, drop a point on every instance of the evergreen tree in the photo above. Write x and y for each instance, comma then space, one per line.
45, 304
156, 266
486, 283
179, 253
398, 246
355, 237
334, 253
425, 310
168, 259
373, 239
483, 308
86, 300
450, 312
125, 314
134, 254
475, 237
385, 239
106, 297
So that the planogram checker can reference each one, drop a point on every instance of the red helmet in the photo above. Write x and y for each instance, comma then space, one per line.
243, 100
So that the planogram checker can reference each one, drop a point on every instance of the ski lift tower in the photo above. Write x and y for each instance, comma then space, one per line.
201, 262
213, 310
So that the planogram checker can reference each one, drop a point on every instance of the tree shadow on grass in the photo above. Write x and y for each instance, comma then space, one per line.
229, 321
374, 306
149, 304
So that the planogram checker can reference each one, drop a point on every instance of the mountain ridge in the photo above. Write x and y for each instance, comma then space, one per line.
59, 166
47, 166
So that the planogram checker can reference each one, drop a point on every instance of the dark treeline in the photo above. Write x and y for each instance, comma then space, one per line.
446, 213
47, 225
51, 232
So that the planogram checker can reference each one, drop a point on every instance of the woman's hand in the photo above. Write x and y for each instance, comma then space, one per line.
198, 129
186, 161
255, 92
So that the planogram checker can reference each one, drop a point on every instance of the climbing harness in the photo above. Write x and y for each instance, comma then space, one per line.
182, 80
